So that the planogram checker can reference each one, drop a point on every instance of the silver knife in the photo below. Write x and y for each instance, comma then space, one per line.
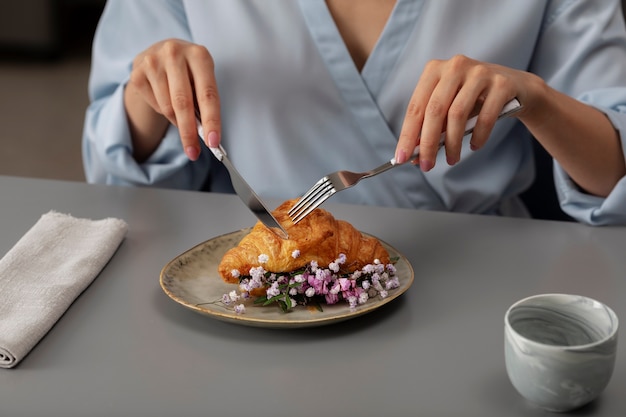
244, 191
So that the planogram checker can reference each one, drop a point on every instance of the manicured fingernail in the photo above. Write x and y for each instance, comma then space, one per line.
192, 152
401, 156
426, 165
451, 160
213, 139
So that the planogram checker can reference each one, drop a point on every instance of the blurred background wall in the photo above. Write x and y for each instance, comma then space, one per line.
45, 50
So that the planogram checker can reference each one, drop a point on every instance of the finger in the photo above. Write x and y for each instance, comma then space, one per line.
206, 95
410, 133
160, 90
144, 81
414, 117
463, 106
488, 116
182, 102
435, 121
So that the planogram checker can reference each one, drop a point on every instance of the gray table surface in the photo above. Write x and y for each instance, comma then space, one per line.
125, 349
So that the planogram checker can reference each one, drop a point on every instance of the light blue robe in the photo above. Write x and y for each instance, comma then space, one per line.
294, 106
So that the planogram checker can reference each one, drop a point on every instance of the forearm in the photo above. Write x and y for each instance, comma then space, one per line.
580, 137
147, 127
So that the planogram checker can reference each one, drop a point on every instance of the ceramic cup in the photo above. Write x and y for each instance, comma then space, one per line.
560, 349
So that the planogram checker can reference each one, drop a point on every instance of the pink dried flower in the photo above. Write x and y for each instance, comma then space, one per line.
345, 284
331, 298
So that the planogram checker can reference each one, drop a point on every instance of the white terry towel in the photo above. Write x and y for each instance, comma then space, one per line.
41, 276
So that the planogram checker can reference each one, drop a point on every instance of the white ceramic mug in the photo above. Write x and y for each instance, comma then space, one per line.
560, 349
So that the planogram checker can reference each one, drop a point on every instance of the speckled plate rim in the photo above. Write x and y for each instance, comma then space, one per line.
189, 274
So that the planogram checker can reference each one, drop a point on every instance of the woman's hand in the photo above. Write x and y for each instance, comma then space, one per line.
580, 137
448, 93
168, 81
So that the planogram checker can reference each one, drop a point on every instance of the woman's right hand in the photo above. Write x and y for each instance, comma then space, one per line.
167, 82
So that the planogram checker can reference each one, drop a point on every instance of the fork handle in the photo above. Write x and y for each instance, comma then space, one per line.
509, 108
380, 169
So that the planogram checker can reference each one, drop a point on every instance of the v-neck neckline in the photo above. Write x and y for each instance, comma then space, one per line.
360, 89
390, 44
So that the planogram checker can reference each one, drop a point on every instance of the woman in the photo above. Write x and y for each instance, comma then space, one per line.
296, 89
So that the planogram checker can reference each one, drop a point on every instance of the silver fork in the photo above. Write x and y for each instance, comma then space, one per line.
341, 180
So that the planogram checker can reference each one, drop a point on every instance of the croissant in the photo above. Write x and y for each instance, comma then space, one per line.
318, 237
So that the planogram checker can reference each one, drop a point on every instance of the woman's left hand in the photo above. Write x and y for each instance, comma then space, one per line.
447, 94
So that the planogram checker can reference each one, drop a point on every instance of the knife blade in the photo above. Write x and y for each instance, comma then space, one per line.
244, 191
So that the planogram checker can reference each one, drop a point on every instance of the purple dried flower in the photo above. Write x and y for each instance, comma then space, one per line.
363, 297
368, 269
273, 290
323, 274
257, 273
392, 283
225, 299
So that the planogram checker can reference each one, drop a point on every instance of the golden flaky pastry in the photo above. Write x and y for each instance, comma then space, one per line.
319, 237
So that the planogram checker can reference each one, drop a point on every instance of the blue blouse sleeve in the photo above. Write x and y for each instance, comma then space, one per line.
126, 28
585, 207
580, 48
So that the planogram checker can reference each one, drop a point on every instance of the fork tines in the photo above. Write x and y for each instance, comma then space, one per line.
319, 193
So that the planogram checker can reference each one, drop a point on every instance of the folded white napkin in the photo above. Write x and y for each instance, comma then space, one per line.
41, 276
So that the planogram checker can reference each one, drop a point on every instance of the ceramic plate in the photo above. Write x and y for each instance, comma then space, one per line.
192, 280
